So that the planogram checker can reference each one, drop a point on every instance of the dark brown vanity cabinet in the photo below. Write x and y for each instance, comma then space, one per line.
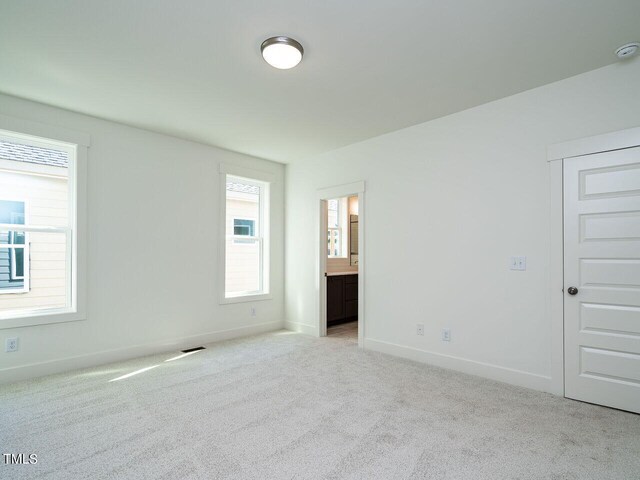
342, 298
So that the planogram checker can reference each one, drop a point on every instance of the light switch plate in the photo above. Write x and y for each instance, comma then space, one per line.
518, 263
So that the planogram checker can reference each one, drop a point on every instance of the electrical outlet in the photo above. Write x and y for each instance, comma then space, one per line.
420, 329
11, 345
253, 311
446, 335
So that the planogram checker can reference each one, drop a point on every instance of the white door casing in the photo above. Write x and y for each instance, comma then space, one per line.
602, 260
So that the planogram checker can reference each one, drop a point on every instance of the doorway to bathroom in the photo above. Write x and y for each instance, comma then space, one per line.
342, 267
340, 263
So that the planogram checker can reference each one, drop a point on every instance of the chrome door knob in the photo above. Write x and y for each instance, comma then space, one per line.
572, 290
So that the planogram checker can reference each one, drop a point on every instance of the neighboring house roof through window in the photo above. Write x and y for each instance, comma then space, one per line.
243, 188
30, 154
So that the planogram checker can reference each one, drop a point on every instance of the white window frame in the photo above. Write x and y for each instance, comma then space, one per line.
76, 145
12, 247
264, 181
25, 248
14, 261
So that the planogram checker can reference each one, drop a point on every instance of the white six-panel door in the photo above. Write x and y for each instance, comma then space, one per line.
602, 261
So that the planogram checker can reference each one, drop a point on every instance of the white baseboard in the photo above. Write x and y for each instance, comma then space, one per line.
301, 328
472, 367
24, 372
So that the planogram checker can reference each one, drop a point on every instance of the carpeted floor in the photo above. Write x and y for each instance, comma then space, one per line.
287, 406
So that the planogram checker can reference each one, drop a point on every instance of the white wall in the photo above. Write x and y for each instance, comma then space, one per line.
446, 203
153, 209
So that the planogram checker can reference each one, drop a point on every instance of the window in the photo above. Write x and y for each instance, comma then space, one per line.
243, 228
336, 227
246, 240
14, 274
37, 227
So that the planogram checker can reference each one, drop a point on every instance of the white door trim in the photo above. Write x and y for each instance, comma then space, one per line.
597, 144
324, 194
555, 155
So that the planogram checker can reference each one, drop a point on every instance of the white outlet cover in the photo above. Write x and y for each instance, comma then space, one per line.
446, 335
420, 329
11, 345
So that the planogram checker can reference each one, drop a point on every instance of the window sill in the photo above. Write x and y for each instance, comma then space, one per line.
246, 298
42, 317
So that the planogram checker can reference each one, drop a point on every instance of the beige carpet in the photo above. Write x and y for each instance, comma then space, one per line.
286, 406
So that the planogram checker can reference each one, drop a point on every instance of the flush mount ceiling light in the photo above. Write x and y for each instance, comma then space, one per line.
627, 50
282, 52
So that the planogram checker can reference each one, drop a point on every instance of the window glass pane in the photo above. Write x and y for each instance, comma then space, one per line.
242, 267
244, 227
336, 222
12, 259
18, 261
333, 209
17, 238
36, 178
33, 275
8, 265
243, 256
34, 192
12, 211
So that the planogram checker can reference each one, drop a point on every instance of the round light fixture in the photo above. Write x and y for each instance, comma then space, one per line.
627, 50
282, 52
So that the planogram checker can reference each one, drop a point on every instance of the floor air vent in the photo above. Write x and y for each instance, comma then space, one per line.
194, 349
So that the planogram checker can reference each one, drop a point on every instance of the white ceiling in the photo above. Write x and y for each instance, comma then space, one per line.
193, 68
